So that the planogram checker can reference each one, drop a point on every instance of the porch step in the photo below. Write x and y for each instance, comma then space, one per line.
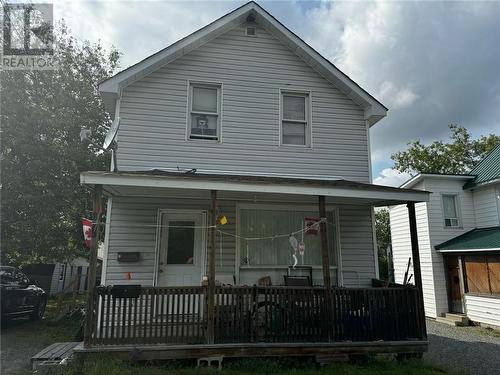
458, 317
457, 320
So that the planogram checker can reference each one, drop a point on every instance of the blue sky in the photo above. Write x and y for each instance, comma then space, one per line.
430, 63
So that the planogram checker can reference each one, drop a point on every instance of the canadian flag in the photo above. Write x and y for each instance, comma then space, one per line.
87, 232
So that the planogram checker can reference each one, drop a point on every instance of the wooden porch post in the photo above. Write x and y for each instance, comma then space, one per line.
324, 243
211, 272
417, 273
91, 273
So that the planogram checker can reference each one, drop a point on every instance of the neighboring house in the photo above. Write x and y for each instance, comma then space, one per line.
459, 241
231, 142
59, 277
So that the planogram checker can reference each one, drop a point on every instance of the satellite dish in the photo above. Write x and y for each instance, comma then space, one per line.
110, 137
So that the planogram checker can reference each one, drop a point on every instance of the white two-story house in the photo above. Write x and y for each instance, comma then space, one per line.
459, 241
242, 158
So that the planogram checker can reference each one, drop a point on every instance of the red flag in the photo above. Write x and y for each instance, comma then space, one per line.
87, 232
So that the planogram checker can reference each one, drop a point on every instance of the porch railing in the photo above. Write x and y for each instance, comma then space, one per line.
275, 314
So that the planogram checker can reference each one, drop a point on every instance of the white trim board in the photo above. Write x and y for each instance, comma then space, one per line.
198, 183
467, 250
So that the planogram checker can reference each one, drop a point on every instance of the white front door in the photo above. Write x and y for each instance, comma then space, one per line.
181, 248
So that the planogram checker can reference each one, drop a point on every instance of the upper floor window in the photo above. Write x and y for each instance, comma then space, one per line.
450, 210
204, 111
295, 119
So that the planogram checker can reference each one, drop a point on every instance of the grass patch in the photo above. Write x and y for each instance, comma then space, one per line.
105, 364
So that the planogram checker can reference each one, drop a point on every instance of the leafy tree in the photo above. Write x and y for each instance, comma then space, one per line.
43, 113
383, 231
455, 157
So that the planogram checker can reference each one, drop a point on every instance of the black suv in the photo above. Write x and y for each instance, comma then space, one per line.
20, 296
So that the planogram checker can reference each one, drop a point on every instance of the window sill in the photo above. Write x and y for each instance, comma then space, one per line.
285, 267
204, 140
295, 147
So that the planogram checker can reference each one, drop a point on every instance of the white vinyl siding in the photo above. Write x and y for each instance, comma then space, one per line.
133, 222
252, 70
204, 111
487, 206
401, 250
485, 310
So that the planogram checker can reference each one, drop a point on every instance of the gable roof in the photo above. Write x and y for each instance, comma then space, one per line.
111, 88
487, 170
482, 239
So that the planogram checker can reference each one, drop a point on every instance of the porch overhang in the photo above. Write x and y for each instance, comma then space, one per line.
156, 182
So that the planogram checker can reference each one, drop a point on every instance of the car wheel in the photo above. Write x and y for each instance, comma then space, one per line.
39, 310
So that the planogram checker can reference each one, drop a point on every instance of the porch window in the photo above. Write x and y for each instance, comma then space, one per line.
204, 111
295, 121
482, 274
268, 251
450, 211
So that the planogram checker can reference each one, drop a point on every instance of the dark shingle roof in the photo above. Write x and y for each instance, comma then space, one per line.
476, 239
488, 169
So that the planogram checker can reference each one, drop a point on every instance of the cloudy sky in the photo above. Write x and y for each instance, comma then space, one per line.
430, 63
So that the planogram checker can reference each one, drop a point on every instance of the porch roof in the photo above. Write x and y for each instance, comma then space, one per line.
155, 181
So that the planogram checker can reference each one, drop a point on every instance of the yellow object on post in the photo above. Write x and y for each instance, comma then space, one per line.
223, 220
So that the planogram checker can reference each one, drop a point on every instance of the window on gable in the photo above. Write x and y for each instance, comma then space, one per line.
450, 211
204, 111
295, 119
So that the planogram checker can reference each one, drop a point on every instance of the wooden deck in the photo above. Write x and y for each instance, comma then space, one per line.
52, 355
253, 350
258, 320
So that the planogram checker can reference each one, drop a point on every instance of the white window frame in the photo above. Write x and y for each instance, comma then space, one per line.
211, 85
307, 94
288, 207
457, 209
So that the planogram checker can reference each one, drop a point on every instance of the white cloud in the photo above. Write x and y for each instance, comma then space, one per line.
394, 97
391, 177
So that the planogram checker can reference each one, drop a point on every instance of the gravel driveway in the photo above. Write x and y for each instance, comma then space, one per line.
469, 350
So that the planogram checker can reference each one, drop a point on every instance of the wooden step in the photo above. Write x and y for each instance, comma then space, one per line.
458, 317
451, 322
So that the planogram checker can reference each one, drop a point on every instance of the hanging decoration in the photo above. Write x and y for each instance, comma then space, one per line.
312, 225
87, 232
294, 243
223, 220
302, 248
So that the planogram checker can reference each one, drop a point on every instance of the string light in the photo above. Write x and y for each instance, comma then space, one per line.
288, 234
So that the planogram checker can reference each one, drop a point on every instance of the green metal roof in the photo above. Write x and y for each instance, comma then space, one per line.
486, 170
484, 239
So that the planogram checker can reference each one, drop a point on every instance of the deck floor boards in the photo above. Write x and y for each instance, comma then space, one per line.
53, 353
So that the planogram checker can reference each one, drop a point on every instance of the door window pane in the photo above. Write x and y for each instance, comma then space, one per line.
205, 99
180, 243
294, 133
294, 108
